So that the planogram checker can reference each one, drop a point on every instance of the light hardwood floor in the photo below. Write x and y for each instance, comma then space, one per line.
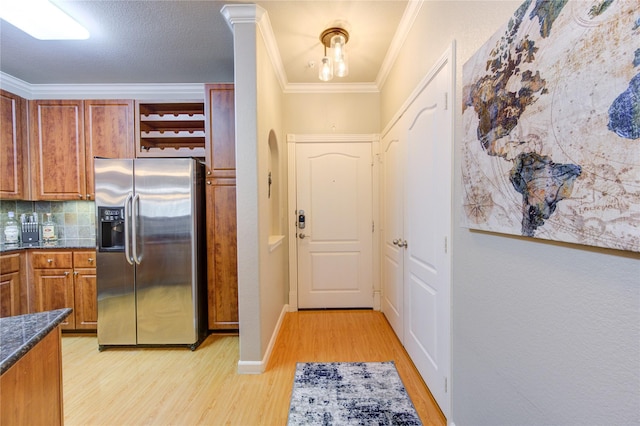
178, 387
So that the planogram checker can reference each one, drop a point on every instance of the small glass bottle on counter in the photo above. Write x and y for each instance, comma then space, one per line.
49, 234
11, 230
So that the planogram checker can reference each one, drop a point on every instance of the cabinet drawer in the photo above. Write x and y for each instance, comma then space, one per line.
9, 263
43, 260
84, 259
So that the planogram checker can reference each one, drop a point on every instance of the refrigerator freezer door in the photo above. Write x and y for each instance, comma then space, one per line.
166, 276
115, 276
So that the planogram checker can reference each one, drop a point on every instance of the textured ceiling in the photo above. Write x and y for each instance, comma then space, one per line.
164, 41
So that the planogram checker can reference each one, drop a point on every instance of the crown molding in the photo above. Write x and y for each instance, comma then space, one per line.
242, 14
264, 24
102, 91
15, 85
406, 22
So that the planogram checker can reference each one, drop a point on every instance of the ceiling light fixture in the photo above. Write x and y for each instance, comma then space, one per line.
335, 39
42, 19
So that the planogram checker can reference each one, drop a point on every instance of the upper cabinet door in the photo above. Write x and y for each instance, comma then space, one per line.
220, 132
13, 146
108, 133
57, 150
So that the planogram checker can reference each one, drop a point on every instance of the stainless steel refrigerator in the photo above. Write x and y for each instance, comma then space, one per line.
151, 274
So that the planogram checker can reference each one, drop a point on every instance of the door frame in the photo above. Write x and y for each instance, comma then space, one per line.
292, 141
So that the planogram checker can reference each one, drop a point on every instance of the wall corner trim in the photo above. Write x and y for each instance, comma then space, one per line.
259, 367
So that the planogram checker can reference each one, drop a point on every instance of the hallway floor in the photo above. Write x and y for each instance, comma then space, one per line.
178, 387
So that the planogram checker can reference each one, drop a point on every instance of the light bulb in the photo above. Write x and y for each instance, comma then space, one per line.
341, 67
340, 55
325, 73
337, 44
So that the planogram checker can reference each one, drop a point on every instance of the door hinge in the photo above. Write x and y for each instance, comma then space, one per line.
446, 101
446, 387
373, 226
445, 244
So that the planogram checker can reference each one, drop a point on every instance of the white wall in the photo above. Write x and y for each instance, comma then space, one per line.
274, 285
543, 333
338, 113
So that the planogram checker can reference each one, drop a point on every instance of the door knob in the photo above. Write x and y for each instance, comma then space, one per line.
302, 236
395, 242
404, 244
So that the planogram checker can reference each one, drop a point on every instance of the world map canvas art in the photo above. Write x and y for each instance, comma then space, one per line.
551, 125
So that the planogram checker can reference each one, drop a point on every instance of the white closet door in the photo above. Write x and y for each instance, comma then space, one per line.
427, 227
392, 231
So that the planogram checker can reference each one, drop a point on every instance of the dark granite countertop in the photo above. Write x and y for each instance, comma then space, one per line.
81, 243
20, 333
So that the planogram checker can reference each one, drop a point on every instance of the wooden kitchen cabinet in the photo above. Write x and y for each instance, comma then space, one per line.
51, 278
85, 292
31, 389
222, 265
13, 291
65, 279
13, 147
66, 135
108, 133
56, 142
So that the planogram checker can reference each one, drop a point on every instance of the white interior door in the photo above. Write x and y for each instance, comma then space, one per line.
392, 231
427, 227
334, 249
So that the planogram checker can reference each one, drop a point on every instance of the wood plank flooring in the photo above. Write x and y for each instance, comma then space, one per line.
163, 386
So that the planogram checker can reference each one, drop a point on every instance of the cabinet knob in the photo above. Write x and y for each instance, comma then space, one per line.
49, 261
208, 182
88, 196
66, 273
75, 273
90, 260
80, 196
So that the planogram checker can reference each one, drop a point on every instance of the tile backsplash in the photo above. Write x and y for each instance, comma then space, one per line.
74, 219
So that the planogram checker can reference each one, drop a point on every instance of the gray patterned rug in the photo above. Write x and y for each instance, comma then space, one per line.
360, 393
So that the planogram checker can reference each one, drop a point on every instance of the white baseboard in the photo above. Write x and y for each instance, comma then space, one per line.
251, 367
259, 367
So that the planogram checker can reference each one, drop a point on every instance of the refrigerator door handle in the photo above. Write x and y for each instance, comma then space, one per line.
127, 228
134, 228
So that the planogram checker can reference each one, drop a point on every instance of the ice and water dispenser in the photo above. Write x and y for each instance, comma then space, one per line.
111, 229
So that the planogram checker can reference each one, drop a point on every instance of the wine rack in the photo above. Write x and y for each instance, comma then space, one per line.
170, 129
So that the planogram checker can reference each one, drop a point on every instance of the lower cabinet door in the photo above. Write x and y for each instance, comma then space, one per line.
86, 299
53, 289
